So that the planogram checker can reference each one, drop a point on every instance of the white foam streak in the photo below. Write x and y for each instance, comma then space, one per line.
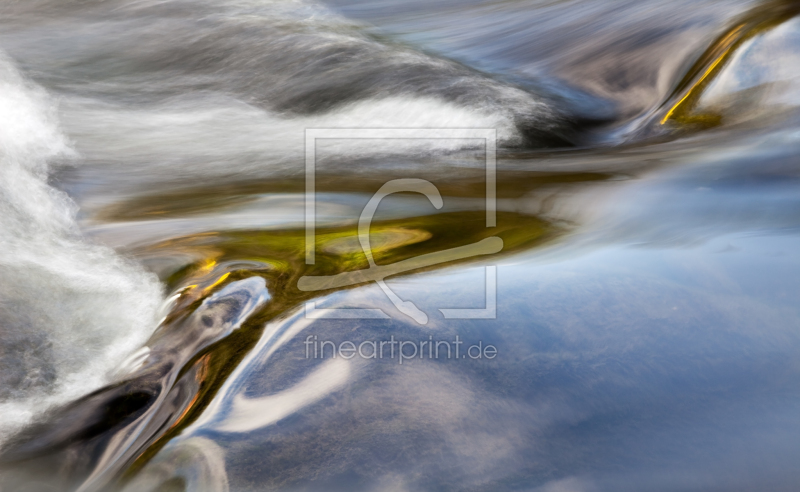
219, 137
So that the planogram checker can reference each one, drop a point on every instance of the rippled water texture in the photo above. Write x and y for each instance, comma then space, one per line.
621, 208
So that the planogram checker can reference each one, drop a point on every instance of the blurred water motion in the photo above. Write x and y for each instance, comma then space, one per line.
154, 328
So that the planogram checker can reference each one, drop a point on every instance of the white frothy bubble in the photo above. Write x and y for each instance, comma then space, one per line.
70, 311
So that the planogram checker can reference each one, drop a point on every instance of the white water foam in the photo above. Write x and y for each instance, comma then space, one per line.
220, 136
70, 311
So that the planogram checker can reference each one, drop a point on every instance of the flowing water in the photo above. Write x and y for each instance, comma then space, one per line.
634, 287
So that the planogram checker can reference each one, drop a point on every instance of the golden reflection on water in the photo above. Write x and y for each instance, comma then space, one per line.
380, 241
280, 254
225, 256
711, 63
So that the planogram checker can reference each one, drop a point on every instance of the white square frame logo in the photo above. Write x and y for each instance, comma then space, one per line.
378, 273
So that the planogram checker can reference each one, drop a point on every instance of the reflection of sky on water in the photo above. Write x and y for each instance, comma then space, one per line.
746, 186
769, 65
653, 349
621, 369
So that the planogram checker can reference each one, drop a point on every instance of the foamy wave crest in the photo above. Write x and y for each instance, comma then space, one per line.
69, 310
